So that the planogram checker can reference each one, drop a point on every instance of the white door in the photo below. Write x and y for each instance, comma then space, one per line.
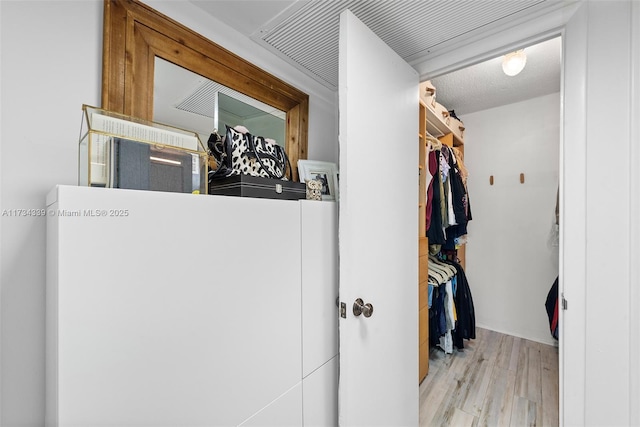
378, 230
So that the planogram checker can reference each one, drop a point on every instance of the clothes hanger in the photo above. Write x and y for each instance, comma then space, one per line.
434, 281
450, 268
442, 270
447, 267
437, 275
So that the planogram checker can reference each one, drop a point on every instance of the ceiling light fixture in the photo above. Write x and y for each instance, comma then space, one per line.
514, 62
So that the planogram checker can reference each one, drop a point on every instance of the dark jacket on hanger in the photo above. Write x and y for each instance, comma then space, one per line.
435, 232
466, 323
437, 317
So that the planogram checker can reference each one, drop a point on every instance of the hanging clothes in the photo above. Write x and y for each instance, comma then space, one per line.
432, 163
459, 206
551, 304
464, 173
451, 310
451, 216
437, 318
448, 208
435, 231
466, 323
441, 304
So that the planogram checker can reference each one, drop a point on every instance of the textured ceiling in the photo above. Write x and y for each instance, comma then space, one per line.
484, 85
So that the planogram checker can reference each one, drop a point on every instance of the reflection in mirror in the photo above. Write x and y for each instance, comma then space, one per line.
187, 100
134, 34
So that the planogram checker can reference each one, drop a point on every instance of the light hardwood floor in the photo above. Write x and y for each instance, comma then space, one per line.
497, 380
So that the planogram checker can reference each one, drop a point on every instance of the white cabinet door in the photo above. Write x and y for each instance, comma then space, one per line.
319, 284
320, 388
378, 219
319, 249
171, 309
285, 411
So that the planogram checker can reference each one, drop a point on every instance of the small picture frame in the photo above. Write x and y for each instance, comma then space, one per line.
326, 172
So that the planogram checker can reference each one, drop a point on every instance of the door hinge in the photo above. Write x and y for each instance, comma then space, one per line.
564, 302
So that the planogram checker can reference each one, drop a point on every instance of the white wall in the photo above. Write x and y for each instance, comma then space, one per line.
51, 65
596, 243
634, 229
510, 264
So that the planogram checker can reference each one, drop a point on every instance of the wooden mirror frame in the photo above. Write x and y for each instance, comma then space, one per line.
134, 34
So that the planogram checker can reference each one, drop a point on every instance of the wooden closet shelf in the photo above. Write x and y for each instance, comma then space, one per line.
437, 127
439, 121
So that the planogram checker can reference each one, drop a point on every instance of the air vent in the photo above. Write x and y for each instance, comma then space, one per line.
309, 37
203, 101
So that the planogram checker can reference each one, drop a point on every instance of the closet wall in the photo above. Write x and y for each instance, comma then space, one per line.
510, 262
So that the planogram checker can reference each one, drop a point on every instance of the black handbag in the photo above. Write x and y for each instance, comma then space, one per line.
241, 153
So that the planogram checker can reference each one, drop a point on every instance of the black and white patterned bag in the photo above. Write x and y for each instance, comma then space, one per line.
241, 153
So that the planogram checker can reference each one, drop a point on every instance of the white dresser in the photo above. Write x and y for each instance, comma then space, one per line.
168, 309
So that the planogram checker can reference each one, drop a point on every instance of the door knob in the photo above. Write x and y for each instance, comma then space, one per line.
359, 307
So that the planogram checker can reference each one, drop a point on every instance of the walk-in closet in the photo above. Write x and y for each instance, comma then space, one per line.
489, 247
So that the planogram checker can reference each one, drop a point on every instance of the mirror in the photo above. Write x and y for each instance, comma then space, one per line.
135, 35
186, 100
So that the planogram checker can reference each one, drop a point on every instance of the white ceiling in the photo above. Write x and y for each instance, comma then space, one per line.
483, 86
305, 33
